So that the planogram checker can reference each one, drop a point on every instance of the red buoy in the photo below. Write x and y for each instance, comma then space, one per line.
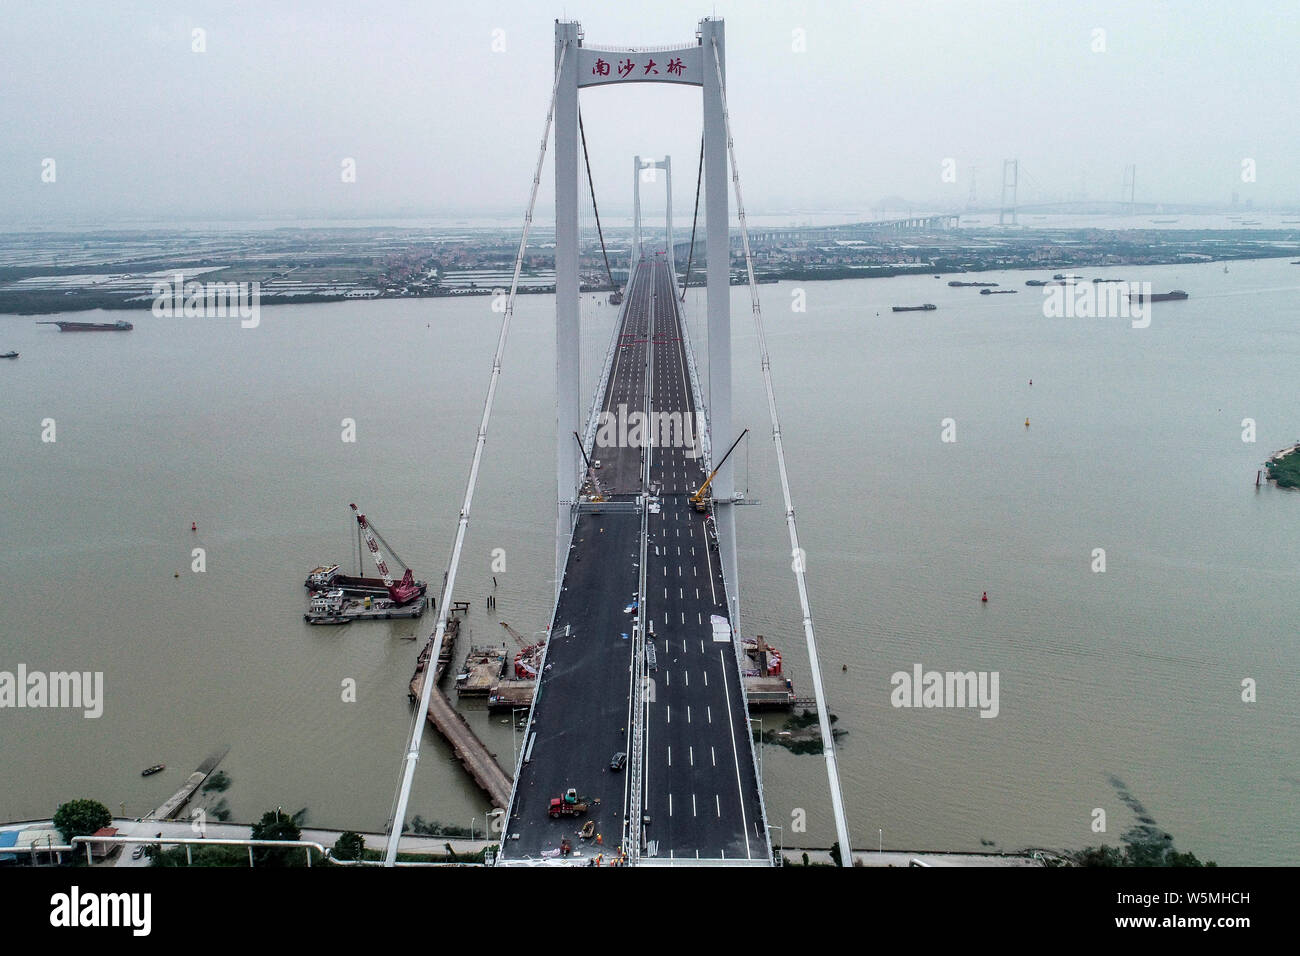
985, 598
194, 526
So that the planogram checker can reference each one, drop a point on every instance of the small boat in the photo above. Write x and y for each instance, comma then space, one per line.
9, 355
150, 771
588, 830
928, 307
999, 291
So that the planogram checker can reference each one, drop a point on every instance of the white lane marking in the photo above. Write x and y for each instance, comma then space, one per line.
667, 675
686, 676
670, 804
694, 812
706, 678
670, 756
692, 754
714, 755
735, 755
718, 800
668, 713
688, 713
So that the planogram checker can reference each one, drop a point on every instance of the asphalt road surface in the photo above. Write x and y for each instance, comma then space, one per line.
700, 792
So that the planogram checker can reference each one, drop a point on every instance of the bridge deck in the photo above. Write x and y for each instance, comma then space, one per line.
700, 791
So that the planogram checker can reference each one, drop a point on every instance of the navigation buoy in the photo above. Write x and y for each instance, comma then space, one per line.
1026, 422
1031, 381
194, 526
984, 598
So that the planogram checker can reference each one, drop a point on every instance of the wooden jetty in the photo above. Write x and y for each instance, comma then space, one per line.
469, 750
177, 801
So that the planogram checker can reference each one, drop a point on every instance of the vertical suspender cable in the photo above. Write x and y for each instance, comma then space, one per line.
828, 739
417, 731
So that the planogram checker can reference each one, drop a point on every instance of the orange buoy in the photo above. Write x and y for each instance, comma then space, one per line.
985, 597
1026, 422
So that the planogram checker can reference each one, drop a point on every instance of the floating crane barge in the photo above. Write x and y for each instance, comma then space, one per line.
336, 598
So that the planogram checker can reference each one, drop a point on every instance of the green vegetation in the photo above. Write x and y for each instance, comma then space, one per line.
202, 856
349, 846
421, 827
219, 781
81, 818
800, 734
278, 825
1148, 853
1285, 470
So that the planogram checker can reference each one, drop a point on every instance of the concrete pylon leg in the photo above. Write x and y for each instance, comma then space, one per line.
718, 295
567, 380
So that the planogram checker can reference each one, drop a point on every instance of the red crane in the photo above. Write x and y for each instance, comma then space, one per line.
403, 591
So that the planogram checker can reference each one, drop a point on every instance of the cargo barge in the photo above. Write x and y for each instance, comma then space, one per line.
928, 307
1177, 295
121, 325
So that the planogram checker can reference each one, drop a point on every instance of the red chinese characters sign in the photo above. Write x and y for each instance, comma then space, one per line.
596, 67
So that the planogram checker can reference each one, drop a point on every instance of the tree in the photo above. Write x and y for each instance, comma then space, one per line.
275, 825
349, 846
81, 818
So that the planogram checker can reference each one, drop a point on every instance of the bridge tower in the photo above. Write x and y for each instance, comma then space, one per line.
1010, 179
577, 67
640, 169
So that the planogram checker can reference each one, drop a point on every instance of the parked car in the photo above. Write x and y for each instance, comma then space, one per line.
618, 761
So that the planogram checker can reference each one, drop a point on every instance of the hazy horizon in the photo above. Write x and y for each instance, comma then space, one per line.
258, 124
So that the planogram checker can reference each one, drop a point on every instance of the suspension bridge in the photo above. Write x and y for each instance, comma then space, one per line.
639, 723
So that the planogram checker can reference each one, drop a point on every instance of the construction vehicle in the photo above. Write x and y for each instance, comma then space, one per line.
591, 471
567, 806
401, 592
698, 500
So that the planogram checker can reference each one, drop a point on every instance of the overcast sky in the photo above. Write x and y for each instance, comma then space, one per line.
141, 126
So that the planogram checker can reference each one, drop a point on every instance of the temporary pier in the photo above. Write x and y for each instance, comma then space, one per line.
469, 750
482, 670
509, 694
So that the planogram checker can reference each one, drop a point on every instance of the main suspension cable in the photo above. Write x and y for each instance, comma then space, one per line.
592, 186
699, 179
417, 732
797, 563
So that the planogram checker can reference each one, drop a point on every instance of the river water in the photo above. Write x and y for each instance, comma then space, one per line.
1127, 681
